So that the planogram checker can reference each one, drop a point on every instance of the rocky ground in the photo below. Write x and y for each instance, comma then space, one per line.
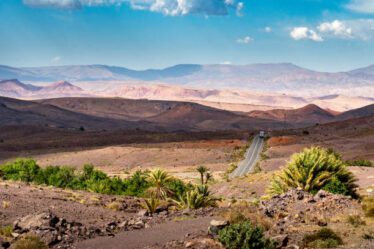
66, 219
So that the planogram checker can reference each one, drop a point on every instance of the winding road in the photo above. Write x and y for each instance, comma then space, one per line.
251, 157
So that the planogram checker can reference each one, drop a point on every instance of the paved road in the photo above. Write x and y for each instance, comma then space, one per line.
251, 157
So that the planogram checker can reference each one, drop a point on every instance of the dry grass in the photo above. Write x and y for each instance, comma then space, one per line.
356, 220
115, 206
6, 231
6, 204
368, 206
29, 242
242, 211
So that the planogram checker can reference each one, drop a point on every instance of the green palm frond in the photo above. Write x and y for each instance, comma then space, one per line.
311, 170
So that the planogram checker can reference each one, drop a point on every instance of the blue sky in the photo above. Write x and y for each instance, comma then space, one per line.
318, 34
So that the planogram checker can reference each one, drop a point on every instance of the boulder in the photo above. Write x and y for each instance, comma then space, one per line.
142, 213
35, 221
216, 226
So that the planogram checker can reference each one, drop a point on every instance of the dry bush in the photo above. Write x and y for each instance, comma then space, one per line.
244, 211
368, 206
6, 204
116, 206
29, 242
355, 220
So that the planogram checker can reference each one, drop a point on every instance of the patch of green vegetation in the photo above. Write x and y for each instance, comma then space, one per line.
89, 179
6, 231
355, 220
323, 238
244, 235
29, 242
360, 162
313, 169
196, 198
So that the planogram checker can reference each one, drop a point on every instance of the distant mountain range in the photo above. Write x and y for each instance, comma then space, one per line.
284, 77
15, 89
226, 99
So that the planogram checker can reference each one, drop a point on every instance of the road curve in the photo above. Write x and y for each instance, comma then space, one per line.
251, 158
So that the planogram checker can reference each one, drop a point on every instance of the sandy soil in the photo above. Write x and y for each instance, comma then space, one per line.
157, 235
88, 208
179, 158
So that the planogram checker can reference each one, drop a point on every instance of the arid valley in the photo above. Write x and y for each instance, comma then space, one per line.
186, 124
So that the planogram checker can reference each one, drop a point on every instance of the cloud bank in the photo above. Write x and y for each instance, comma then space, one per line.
361, 29
166, 7
362, 6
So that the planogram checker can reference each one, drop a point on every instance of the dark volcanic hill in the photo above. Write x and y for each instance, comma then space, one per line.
357, 113
177, 115
19, 112
310, 114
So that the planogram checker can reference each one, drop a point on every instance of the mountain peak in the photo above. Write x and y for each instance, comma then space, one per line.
63, 85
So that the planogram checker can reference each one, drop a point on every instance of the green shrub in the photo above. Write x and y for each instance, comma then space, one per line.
323, 238
67, 177
314, 169
21, 170
244, 236
335, 186
29, 242
94, 180
196, 198
360, 162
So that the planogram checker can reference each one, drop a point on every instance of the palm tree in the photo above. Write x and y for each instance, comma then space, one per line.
159, 181
311, 170
196, 198
151, 205
202, 170
208, 177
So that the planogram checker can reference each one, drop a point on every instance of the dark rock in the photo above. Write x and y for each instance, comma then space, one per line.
322, 223
282, 240
4, 244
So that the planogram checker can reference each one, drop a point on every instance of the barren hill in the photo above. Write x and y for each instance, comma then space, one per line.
19, 112
179, 115
309, 114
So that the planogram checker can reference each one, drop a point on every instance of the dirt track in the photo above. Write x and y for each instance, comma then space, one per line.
157, 235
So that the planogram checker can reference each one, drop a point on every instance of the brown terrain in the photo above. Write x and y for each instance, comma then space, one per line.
120, 136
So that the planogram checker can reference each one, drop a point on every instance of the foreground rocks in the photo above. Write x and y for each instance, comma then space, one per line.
298, 206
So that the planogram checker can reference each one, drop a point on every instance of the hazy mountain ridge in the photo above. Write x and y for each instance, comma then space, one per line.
259, 77
227, 99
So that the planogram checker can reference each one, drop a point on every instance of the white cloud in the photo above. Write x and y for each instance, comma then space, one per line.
239, 8
304, 33
166, 7
363, 6
56, 59
226, 63
335, 28
268, 29
244, 40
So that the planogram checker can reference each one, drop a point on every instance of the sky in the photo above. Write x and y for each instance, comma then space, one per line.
323, 35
